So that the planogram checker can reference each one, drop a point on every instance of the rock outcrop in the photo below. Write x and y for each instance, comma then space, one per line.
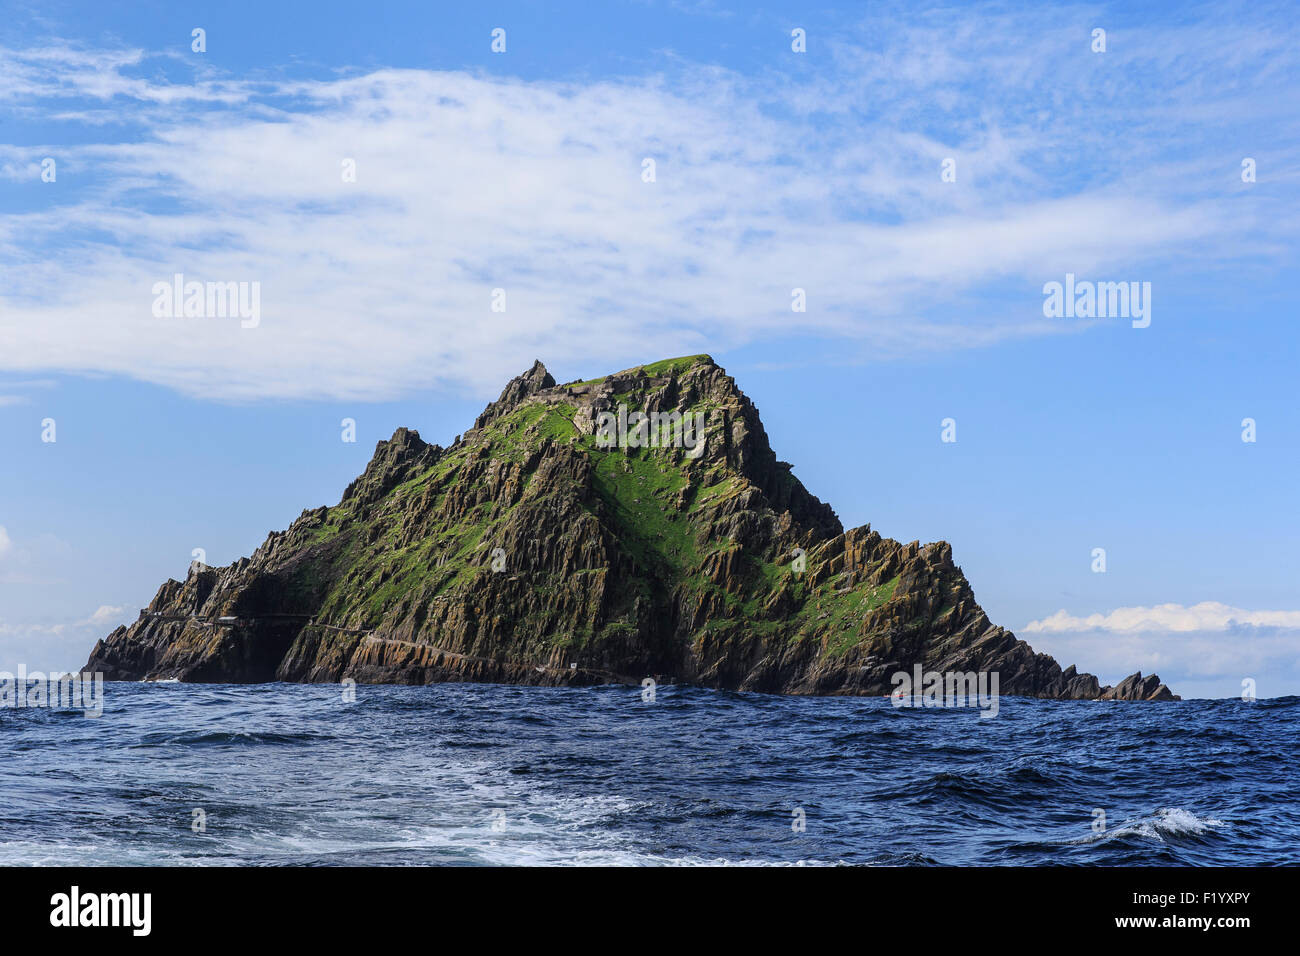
526, 552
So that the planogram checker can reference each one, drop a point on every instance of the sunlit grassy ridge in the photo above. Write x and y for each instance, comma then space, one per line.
421, 542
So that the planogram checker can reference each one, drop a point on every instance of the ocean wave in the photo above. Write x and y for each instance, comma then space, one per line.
1167, 823
290, 775
225, 738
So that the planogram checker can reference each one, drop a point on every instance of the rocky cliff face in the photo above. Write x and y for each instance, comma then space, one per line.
527, 552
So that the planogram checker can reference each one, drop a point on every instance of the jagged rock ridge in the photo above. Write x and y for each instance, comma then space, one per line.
527, 553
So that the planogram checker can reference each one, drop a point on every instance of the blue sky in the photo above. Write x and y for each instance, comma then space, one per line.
774, 170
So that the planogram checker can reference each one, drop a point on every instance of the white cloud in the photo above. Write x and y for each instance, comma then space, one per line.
30, 630
56, 644
105, 614
1208, 648
5, 543
468, 182
1208, 616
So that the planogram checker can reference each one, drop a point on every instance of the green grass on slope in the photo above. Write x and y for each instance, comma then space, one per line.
639, 490
380, 572
654, 369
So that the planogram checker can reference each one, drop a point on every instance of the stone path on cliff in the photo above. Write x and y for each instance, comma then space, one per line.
370, 635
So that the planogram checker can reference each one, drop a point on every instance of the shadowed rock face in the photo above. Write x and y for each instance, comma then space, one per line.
528, 553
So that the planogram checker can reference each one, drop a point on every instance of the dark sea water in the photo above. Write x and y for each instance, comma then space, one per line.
478, 774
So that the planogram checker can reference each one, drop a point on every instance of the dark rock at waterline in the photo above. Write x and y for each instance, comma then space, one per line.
1137, 687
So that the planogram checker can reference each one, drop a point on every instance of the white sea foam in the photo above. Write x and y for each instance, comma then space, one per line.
1167, 821
445, 818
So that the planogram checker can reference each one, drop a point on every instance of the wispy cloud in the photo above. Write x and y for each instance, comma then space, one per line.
465, 183
1167, 619
105, 615
57, 638
1211, 644
35, 635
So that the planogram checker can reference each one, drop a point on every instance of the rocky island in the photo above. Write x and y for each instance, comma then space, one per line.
544, 547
